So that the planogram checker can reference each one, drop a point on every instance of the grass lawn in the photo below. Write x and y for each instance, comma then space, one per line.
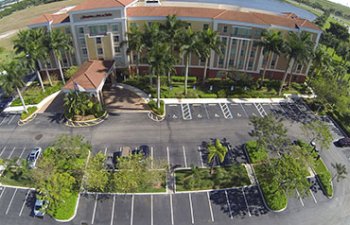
31, 110
201, 179
34, 94
66, 209
8, 179
256, 154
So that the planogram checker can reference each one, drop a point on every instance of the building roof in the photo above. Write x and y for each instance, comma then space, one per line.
54, 18
101, 4
90, 75
285, 20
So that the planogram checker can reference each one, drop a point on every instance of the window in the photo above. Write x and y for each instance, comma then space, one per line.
103, 29
100, 51
116, 49
242, 31
150, 24
225, 29
252, 53
82, 42
116, 39
98, 40
98, 30
67, 30
84, 51
114, 27
81, 30
273, 63
205, 26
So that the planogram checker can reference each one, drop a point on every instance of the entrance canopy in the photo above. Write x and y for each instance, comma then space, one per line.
90, 77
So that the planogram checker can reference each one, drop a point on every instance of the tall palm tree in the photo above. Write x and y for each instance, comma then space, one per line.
56, 41
209, 41
217, 152
11, 79
298, 48
321, 61
340, 171
189, 45
135, 45
29, 43
271, 42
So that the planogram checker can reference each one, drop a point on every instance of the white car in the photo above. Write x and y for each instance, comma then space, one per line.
33, 157
40, 207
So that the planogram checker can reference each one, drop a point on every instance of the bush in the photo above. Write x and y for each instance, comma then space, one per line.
190, 80
208, 95
256, 154
30, 110
153, 105
222, 93
70, 72
324, 176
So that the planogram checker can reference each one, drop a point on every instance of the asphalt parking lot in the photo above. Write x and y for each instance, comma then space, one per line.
9, 119
296, 111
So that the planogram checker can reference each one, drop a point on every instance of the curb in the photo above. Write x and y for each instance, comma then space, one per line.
18, 187
87, 123
28, 119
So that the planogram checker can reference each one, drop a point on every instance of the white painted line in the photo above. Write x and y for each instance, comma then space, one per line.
201, 156
192, 217
185, 160
151, 209
234, 104
206, 111
11, 153
245, 112
152, 158
168, 156
2, 193
106, 151
24, 203
10, 121
132, 210
3, 149
171, 209
2, 120
301, 200
94, 212
229, 206
20, 156
210, 207
172, 105
248, 104
246, 202
211, 104
113, 207
9, 206
313, 196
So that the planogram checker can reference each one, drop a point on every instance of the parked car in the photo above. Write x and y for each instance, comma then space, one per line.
40, 207
144, 150
125, 151
111, 161
33, 157
343, 142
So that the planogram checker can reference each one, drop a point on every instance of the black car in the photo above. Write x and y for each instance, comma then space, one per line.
343, 142
143, 150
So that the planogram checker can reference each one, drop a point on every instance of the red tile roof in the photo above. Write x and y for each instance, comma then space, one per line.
55, 18
101, 4
89, 75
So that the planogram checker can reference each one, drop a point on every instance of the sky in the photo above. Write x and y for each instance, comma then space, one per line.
343, 2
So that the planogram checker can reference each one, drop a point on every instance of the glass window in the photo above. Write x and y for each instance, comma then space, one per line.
273, 63
225, 29
205, 26
98, 40
81, 30
82, 42
116, 49
103, 29
114, 27
93, 30
100, 51
116, 39
85, 52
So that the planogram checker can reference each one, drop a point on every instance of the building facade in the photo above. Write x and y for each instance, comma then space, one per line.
98, 27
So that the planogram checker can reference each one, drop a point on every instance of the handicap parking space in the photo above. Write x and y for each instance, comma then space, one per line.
238, 111
267, 108
199, 111
142, 210
250, 109
103, 210
162, 210
214, 111
174, 112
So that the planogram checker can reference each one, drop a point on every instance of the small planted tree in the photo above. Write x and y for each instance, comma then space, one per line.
217, 153
340, 171
318, 132
96, 175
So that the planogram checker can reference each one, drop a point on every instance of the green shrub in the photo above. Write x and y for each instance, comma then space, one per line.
256, 154
190, 79
222, 93
324, 176
208, 95
70, 72
30, 110
153, 105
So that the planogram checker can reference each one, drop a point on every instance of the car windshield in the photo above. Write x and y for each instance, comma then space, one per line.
37, 207
31, 158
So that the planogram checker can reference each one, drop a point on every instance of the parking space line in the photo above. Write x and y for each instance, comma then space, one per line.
9, 205
171, 209
186, 112
151, 209
20, 156
190, 198
94, 212
152, 158
228, 204
10, 121
2, 120
211, 209
105, 150
301, 200
245, 112
9, 157
168, 155
185, 160
113, 207
206, 111
132, 210
201, 156
313, 196
226, 111
24, 203
246, 202
3, 149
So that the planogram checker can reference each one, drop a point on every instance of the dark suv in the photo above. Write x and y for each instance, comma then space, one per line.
343, 142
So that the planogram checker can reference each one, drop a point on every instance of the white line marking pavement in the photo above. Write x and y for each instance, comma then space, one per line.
185, 160
192, 217
132, 210
152, 158
151, 209
206, 111
171, 209
3, 149
168, 156
10, 121
9, 206
24, 203
94, 212
11, 153
301, 200
20, 156
2, 193
246, 202
313, 196
211, 209
201, 156
2, 120
245, 112
105, 150
113, 207
229, 206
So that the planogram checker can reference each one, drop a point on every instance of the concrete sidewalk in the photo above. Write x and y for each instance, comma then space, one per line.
224, 100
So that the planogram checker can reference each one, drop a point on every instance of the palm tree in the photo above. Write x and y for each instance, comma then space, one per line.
11, 79
56, 42
189, 45
298, 49
271, 42
29, 43
340, 171
209, 41
321, 61
216, 152
135, 45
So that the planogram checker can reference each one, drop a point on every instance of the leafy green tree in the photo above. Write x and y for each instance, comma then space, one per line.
70, 72
339, 31
298, 49
271, 42
321, 61
340, 171
319, 132
96, 175
270, 133
11, 79
81, 104
216, 153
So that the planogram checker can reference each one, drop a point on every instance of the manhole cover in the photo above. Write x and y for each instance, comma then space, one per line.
38, 137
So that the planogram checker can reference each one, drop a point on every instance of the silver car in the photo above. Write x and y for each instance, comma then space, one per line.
40, 207
33, 157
